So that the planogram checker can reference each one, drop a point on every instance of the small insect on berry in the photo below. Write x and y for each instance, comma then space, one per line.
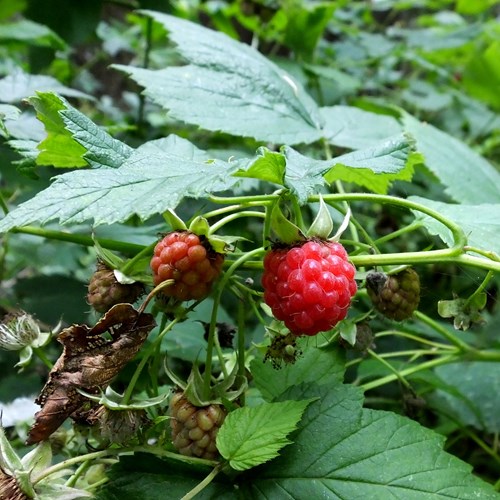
309, 286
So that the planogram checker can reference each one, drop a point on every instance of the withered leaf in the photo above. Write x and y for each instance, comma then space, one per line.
91, 358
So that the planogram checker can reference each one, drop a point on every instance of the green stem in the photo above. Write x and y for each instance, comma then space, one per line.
389, 367
144, 360
214, 228
410, 371
257, 199
79, 471
144, 252
241, 342
213, 320
411, 336
80, 239
452, 339
480, 289
3, 204
199, 487
400, 232
43, 357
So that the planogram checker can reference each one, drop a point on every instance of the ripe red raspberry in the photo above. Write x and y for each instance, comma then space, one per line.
189, 260
309, 286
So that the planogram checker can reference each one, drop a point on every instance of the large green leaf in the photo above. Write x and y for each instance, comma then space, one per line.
147, 183
481, 223
343, 451
467, 176
470, 401
355, 128
228, 86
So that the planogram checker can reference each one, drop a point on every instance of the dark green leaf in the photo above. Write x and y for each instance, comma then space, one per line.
324, 365
343, 451
267, 166
251, 436
230, 87
472, 400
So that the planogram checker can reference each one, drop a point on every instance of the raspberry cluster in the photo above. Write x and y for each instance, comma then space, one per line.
395, 296
104, 290
194, 429
190, 261
309, 286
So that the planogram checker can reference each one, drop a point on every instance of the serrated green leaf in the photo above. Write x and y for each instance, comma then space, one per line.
467, 176
375, 167
343, 451
102, 150
73, 139
251, 436
481, 222
324, 365
470, 399
59, 148
146, 184
267, 166
355, 128
228, 86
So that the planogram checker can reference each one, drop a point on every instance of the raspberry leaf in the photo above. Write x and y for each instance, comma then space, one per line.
344, 451
145, 185
73, 139
269, 106
251, 436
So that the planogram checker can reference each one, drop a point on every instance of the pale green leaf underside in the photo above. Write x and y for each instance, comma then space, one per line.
481, 222
251, 436
145, 185
230, 87
467, 176
355, 128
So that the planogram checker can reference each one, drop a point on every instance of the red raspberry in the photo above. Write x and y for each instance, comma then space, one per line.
309, 286
189, 260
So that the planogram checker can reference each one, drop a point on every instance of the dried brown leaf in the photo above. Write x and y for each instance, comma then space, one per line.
91, 358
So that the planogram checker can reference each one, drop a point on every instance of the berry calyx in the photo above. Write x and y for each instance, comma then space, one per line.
396, 296
194, 429
190, 261
309, 286
105, 291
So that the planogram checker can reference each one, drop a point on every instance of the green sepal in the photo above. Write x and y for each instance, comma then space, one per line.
463, 311
113, 400
285, 230
175, 222
348, 331
322, 225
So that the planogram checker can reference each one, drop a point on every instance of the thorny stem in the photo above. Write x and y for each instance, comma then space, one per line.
203, 484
